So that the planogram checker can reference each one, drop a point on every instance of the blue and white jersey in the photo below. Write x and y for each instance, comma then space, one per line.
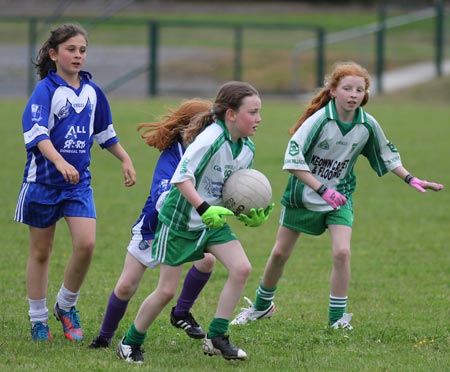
71, 119
165, 167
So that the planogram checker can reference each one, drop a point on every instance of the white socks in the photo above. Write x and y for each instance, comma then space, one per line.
38, 310
66, 299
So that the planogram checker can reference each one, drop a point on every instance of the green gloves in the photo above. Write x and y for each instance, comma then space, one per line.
213, 216
257, 217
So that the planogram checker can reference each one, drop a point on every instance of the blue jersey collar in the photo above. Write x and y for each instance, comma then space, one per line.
55, 78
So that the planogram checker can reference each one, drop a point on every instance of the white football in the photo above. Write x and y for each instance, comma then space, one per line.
246, 189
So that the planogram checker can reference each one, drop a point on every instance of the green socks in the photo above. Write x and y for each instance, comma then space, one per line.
336, 308
218, 327
264, 297
134, 337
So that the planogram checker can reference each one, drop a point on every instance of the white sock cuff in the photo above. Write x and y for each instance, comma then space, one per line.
38, 311
66, 299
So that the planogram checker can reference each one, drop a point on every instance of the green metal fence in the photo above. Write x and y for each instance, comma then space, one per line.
150, 57
231, 46
429, 45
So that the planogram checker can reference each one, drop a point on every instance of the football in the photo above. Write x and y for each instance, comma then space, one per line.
246, 189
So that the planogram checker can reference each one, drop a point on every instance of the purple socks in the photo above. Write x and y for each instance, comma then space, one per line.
114, 314
193, 284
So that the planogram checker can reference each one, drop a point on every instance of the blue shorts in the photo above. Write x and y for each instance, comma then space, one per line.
42, 206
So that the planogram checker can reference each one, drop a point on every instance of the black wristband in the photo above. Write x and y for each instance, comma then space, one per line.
321, 190
202, 208
408, 178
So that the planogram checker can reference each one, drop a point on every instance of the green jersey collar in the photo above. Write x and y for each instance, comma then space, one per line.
359, 118
235, 147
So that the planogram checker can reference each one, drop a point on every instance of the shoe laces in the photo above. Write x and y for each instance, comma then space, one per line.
73, 316
344, 321
40, 330
245, 310
250, 305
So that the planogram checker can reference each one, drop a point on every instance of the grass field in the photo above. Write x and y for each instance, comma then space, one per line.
399, 290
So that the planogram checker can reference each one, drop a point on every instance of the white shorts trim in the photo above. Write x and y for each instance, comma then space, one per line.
141, 250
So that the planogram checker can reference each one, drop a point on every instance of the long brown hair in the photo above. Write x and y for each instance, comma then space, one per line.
169, 129
57, 36
229, 96
321, 99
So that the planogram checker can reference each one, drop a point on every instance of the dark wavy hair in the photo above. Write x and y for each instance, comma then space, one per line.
57, 36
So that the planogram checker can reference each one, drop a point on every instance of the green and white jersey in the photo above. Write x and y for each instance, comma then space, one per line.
328, 149
208, 162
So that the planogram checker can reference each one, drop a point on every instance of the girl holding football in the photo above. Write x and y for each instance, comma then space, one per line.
192, 220
167, 135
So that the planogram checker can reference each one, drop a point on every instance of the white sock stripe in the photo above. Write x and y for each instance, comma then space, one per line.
265, 295
338, 305
338, 298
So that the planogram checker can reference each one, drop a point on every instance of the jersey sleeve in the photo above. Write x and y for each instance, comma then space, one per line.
300, 143
104, 132
35, 116
192, 158
383, 156
165, 167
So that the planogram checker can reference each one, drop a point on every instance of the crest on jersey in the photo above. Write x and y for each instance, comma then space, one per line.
293, 148
64, 111
36, 112
324, 145
392, 147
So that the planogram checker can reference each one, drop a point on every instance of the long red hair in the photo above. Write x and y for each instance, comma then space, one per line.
321, 99
163, 133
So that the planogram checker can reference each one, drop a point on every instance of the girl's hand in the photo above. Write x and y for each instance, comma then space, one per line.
129, 173
334, 198
68, 171
422, 186
257, 217
215, 216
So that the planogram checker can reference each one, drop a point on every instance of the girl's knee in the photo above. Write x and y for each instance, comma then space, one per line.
41, 252
341, 254
40, 257
125, 289
167, 294
206, 265
279, 255
86, 249
242, 271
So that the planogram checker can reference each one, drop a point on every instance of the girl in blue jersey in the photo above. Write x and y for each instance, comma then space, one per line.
192, 220
168, 137
326, 142
64, 115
